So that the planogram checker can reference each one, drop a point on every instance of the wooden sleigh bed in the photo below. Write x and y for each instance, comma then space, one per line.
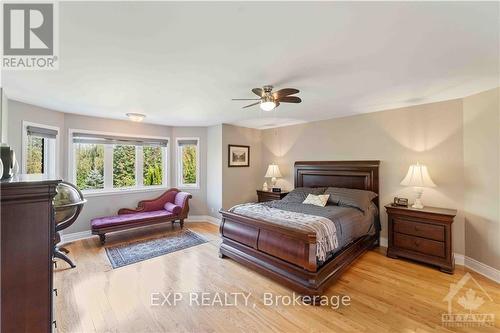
288, 255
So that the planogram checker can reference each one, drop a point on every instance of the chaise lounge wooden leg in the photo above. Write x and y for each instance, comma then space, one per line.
181, 221
102, 237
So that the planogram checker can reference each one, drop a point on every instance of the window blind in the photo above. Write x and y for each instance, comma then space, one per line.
41, 132
117, 140
187, 142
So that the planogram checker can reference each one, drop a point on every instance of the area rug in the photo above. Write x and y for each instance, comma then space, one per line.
130, 253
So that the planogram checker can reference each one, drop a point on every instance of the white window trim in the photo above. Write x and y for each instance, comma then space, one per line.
180, 185
24, 154
108, 172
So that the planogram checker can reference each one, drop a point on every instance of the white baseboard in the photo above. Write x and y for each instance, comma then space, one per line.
203, 218
459, 259
483, 269
74, 236
383, 242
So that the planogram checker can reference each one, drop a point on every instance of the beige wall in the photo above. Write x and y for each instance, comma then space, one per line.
239, 184
214, 170
107, 204
430, 134
481, 174
3, 117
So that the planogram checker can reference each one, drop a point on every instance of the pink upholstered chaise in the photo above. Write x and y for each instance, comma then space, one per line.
171, 206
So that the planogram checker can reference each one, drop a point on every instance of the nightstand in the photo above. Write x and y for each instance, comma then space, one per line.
264, 196
421, 234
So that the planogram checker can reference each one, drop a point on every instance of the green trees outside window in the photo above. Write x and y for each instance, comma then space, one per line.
89, 160
34, 161
123, 166
152, 166
90, 164
189, 164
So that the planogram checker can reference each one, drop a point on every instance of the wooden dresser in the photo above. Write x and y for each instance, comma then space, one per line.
421, 234
27, 231
264, 196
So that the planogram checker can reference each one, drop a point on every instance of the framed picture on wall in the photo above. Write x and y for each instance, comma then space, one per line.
238, 156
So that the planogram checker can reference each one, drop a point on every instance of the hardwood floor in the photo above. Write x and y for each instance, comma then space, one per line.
387, 295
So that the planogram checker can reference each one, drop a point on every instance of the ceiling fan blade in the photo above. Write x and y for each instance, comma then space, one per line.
258, 91
285, 92
251, 105
290, 99
245, 99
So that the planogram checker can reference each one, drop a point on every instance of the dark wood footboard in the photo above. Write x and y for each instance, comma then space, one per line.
285, 255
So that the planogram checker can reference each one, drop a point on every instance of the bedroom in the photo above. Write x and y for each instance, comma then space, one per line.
365, 96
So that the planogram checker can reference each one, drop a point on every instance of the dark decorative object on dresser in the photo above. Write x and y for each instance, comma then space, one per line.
288, 255
27, 222
264, 196
422, 235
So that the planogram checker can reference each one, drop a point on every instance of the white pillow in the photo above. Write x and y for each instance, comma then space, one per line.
317, 200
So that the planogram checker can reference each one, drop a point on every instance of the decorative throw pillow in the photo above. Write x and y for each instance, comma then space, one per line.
349, 197
174, 209
317, 200
299, 194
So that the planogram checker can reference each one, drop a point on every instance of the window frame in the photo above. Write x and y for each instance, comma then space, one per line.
47, 150
108, 165
179, 172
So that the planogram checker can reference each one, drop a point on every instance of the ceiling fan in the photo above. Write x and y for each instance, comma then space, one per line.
270, 100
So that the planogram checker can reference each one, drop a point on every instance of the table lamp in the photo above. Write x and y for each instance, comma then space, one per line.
273, 172
418, 177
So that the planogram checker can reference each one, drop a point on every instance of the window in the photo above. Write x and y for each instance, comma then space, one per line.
152, 166
187, 162
39, 154
108, 162
89, 166
123, 166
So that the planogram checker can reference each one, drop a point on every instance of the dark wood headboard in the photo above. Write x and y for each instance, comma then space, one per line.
362, 175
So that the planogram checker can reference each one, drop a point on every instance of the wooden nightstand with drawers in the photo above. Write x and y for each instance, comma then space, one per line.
264, 196
421, 234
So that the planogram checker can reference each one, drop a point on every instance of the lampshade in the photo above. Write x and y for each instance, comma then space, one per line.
273, 171
418, 176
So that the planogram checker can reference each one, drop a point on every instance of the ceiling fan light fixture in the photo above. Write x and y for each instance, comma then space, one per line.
137, 117
267, 106
267, 103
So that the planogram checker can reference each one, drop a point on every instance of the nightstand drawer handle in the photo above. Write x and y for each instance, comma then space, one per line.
416, 228
417, 243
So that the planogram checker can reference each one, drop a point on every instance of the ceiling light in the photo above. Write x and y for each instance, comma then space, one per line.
136, 116
267, 106
268, 103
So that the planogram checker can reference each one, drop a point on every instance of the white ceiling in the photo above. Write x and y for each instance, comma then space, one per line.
181, 63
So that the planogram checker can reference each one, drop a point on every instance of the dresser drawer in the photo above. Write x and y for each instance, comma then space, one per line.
425, 230
421, 245
266, 198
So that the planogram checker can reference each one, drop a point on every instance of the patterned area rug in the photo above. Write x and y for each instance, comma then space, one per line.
131, 253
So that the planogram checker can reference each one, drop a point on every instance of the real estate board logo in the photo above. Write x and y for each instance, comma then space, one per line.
470, 296
29, 36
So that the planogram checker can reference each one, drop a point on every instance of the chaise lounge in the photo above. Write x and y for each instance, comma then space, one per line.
171, 206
